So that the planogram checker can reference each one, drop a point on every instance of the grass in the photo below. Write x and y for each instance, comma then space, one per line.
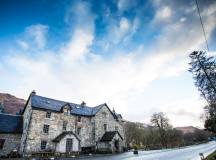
211, 156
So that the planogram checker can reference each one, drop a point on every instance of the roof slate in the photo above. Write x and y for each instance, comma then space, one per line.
108, 136
10, 123
56, 105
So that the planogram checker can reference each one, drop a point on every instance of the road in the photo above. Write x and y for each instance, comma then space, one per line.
187, 153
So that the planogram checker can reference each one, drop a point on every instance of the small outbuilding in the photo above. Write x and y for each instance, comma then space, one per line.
67, 142
111, 141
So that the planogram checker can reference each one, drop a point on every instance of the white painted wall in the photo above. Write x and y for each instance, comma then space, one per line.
61, 146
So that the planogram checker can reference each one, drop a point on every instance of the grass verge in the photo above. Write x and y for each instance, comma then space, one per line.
211, 156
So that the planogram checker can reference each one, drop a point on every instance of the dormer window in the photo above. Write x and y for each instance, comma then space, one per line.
48, 114
66, 111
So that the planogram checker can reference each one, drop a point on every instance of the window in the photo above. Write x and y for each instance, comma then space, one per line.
64, 127
104, 114
46, 128
2, 141
105, 127
79, 119
48, 114
43, 145
79, 131
116, 128
66, 111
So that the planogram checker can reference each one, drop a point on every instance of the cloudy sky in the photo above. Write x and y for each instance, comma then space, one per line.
133, 55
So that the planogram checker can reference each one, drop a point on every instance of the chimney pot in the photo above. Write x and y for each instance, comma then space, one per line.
83, 104
33, 92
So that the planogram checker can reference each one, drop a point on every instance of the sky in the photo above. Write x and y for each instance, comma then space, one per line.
131, 54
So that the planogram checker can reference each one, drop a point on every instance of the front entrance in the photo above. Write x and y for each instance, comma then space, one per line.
116, 143
69, 145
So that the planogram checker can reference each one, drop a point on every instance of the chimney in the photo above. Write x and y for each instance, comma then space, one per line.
113, 110
33, 92
83, 104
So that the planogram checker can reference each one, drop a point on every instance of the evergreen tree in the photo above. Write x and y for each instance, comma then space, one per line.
203, 69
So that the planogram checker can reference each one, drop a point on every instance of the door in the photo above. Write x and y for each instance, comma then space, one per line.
69, 145
116, 144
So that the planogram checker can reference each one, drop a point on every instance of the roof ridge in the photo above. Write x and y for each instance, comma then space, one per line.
50, 98
61, 101
100, 105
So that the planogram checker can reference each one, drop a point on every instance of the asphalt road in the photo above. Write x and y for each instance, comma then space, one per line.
187, 153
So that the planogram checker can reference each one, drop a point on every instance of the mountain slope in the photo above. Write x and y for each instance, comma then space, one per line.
10, 103
187, 129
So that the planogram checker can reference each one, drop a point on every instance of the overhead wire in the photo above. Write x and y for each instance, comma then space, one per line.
203, 28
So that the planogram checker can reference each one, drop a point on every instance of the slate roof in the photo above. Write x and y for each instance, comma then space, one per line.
10, 123
63, 134
117, 116
40, 102
108, 136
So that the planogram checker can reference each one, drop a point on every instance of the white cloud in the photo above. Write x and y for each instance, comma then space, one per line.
163, 13
77, 47
124, 5
124, 25
38, 34
24, 45
122, 30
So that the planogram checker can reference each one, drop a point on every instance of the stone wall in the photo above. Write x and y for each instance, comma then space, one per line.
104, 116
26, 121
86, 136
12, 141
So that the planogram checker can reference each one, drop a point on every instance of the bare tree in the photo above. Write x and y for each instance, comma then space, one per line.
160, 121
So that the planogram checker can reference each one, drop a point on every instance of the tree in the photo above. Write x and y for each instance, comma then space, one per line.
203, 69
210, 117
160, 121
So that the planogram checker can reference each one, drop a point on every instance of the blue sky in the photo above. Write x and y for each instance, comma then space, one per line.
132, 54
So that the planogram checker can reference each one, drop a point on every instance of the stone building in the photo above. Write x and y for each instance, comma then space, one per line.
10, 133
58, 126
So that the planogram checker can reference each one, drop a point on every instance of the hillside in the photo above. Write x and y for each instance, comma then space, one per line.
10, 103
187, 129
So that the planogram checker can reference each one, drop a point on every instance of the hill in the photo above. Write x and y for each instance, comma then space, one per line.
187, 129
10, 103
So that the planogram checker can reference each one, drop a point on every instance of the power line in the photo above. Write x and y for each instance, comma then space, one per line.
204, 33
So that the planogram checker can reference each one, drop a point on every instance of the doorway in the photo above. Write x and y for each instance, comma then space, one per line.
69, 145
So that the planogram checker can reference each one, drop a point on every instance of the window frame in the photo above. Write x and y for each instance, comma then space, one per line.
105, 127
79, 131
104, 114
66, 111
46, 128
48, 114
64, 125
43, 145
